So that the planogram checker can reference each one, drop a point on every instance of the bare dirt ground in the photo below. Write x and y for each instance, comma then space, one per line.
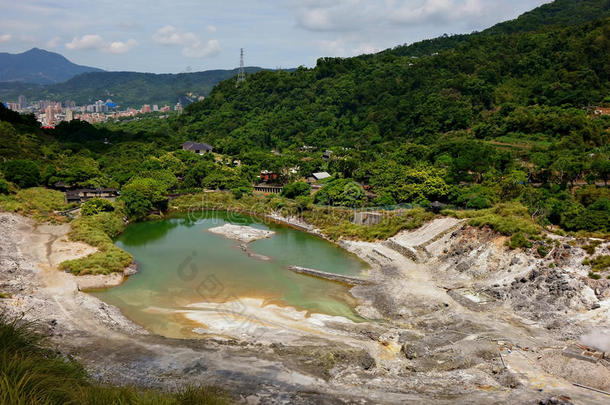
455, 317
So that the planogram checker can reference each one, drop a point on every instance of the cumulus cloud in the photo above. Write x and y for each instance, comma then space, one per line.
89, 41
192, 45
202, 49
211, 28
4, 38
121, 47
168, 35
94, 41
351, 15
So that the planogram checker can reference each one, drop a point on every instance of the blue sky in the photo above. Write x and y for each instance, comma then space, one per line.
192, 35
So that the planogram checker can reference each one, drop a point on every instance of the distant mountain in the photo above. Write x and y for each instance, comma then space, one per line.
39, 66
127, 89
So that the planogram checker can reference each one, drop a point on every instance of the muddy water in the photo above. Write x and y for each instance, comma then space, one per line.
183, 268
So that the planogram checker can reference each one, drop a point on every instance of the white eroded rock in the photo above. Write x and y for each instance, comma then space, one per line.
241, 233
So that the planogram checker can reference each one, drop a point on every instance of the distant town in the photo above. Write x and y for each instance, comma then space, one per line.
50, 113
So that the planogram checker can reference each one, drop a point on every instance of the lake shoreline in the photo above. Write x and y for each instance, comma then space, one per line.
402, 358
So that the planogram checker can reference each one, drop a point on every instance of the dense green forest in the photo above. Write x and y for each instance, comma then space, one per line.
501, 122
127, 89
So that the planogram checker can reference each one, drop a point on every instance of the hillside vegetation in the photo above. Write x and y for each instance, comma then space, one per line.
127, 89
495, 122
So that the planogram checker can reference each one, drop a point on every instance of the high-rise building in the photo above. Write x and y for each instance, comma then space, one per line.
100, 106
23, 102
155, 107
13, 106
145, 108
69, 115
49, 116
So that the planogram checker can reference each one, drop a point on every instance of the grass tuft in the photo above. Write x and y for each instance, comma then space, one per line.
98, 231
38, 203
31, 374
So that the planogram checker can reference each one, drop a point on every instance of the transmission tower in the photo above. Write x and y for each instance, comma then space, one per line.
241, 76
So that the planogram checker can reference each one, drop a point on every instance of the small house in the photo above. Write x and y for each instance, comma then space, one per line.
601, 111
267, 176
84, 194
198, 148
315, 177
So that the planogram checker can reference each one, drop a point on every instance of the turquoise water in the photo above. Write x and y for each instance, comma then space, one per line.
182, 263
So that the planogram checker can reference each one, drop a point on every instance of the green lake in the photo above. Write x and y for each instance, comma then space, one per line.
182, 264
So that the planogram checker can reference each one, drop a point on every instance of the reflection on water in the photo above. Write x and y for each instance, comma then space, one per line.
182, 264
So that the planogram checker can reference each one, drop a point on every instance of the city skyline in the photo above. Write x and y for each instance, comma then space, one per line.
191, 35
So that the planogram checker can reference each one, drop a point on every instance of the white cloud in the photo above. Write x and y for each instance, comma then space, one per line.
94, 41
121, 47
438, 10
5, 38
211, 28
53, 42
351, 15
192, 46
202, 49
168, 35
89, 41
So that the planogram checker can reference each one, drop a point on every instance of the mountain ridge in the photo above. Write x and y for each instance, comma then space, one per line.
39, 66
128, 89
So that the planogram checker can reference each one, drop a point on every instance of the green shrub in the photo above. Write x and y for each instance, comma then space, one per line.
600, 263
239, 192
136, 204
32, 374
543, 250
38, 203
519, 240
591, 246
95, 206
22, 172
4, 186
510, 219
296, 189
594, 276
97, 230
341, 192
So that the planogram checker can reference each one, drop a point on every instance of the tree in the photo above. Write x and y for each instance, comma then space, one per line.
296, 189
22, 172
137, 205
95, 206
601, 166
153, 190
341, 192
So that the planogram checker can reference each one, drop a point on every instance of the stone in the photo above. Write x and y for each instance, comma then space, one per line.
409, 351
131, 269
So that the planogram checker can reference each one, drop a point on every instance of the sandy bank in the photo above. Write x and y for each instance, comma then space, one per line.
244, 234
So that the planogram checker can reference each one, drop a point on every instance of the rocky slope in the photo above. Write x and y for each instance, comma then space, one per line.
454, 317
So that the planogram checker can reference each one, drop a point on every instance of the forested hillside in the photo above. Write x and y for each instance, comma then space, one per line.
501, 123
127, 89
